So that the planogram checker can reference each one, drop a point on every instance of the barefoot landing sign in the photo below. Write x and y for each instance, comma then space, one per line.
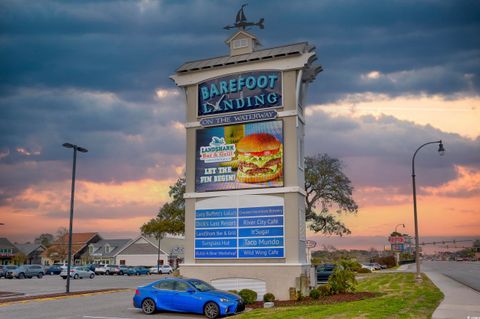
240, 92
245, 192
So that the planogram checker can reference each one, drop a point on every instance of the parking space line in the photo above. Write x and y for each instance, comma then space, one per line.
95, 317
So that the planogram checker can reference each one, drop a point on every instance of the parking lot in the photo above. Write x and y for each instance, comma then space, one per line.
55, 284
107, 305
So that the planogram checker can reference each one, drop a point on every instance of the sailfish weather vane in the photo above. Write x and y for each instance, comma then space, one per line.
241, 21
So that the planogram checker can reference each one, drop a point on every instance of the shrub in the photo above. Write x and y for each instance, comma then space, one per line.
364, 271
342, 280
351, 264
314, 294
389, 261
325, 290
299, 295
268, 297
249, 296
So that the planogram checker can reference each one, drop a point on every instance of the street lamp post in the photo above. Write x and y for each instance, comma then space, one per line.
441, 150
82, 150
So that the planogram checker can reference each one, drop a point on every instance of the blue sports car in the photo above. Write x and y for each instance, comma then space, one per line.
187, 295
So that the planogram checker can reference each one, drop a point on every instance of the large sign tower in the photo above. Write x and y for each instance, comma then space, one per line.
245, 195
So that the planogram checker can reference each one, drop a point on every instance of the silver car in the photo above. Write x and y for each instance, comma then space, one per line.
25, 271
78, 272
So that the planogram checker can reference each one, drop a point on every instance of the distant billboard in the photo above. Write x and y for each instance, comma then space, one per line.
239, 156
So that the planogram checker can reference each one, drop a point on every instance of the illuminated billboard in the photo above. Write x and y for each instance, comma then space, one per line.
247, 91
239, 157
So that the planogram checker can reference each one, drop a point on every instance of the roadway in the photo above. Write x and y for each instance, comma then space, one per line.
465, 272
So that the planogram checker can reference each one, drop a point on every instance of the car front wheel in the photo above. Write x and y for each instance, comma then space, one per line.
148, 306
40, 275
21, 276
211, 310
75, 276
92, 276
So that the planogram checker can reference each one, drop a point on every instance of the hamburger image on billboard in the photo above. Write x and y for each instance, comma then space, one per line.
239, 157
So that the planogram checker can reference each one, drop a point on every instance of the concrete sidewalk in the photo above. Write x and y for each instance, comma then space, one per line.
460, 301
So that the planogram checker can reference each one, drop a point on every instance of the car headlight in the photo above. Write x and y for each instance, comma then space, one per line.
224, 300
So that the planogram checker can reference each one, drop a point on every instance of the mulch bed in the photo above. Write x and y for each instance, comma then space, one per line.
307, 301
7, 299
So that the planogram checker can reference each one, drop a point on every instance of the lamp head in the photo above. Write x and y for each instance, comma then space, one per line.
67, 145
441, 149
81, 149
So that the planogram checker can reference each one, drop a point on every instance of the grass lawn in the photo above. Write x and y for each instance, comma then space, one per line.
400, 297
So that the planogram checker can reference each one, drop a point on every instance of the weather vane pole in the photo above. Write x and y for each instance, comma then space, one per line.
241, 21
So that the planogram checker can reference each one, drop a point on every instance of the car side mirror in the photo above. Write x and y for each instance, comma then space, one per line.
190, 290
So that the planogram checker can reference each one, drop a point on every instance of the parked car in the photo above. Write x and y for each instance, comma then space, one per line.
25, 271
376, 266
324, 271
367, 266
124, 269
6, 268
54, 269
162, 269
100, 269
78, 272
92, 267
113, 270
2, 271
191, 295
137, 271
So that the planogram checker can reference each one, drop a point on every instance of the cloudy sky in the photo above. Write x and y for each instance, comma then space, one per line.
96, 73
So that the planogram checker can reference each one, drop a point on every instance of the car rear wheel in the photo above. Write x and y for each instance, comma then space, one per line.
107, 273
75, 276
211, 310
40, 275
148, 306
21, 275
92, 276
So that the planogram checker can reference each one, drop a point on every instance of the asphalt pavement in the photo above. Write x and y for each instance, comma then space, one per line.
56, 284
98, 306
103, 305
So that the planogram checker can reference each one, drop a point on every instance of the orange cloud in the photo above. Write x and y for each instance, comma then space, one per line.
44, 207
459, 115
467, 183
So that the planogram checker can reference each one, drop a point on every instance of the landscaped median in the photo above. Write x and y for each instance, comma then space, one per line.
397, 295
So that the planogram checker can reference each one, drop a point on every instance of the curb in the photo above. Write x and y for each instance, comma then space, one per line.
59, 295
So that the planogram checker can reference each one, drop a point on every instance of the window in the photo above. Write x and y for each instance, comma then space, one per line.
165, 285
90, 249
107, 248
240, 43
181, 286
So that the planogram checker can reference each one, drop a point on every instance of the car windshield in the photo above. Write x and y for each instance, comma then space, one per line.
200, 285
11, 267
